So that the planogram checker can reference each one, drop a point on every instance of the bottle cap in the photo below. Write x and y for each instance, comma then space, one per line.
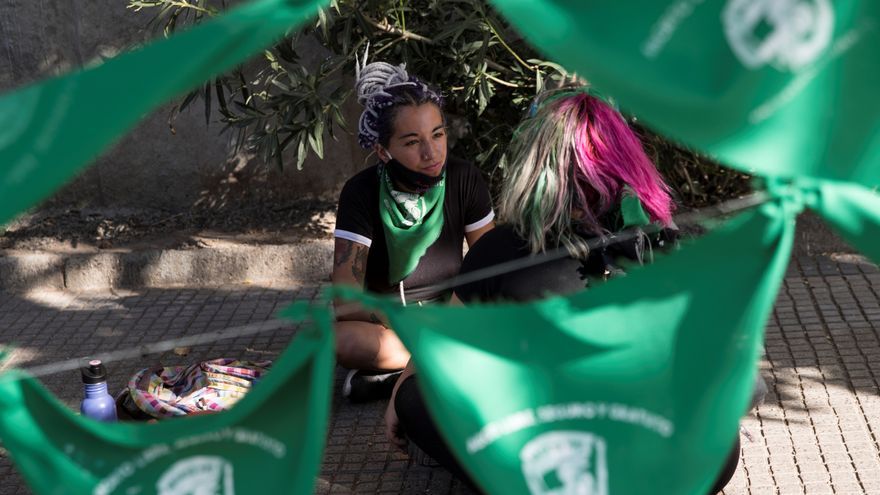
94, 372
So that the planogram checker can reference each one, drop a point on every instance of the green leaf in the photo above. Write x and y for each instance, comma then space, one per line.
277, 153
544, 63
339, 118
301, 151
189, 98
275, 82
286, 51
322, 23
316, 139
221, 97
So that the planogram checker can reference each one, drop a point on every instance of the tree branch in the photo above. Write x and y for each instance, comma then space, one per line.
403, 33
501, 82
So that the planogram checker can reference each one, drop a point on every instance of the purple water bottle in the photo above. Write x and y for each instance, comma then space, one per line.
98, 404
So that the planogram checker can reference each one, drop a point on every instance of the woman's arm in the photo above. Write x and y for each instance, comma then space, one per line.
473, 236
350, 268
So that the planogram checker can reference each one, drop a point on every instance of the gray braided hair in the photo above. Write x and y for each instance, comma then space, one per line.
381, 88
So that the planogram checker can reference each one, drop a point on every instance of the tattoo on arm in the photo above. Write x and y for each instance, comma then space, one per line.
343, 253
359, 265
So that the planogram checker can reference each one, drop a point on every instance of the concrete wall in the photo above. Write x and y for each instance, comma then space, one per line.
151, 167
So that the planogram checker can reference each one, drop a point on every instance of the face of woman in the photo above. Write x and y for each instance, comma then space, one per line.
419, 139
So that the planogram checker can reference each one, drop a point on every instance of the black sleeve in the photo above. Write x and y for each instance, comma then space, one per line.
490, 250
544, 276
353, 218
477, 200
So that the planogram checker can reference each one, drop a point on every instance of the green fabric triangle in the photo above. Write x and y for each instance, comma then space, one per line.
853, 210
646, 374
631, 210
272, 439
773, 88
411, 222
52, 129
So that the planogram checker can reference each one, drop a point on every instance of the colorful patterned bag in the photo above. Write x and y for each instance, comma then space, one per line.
210, 386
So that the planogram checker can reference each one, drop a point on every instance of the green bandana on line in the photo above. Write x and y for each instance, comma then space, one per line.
633, 387
411, 222
52, 129
272, 439
771, 87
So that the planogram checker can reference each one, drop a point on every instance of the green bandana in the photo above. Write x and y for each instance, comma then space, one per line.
635, 386
412, 222
632, 212
271, 439
772, 87
51, 129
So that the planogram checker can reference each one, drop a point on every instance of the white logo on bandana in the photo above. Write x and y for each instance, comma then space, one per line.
565, 463
787, 34
199, 475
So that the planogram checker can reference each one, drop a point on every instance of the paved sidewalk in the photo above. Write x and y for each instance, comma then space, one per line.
817, 432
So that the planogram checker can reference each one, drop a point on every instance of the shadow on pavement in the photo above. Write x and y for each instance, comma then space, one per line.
818, 424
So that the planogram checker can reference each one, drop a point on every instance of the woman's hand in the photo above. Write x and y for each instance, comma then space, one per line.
392, 427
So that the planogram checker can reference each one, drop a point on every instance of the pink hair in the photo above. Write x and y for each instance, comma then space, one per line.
576, 156
609, 156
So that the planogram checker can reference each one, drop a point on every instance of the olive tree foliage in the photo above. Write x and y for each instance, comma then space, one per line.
291, 99
487, 73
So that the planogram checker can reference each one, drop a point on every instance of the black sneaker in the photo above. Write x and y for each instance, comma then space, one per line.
365, 386
419, 456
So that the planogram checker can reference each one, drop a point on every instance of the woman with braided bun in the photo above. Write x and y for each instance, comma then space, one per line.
400, 223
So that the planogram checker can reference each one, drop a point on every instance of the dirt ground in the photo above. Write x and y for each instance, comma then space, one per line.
91, 230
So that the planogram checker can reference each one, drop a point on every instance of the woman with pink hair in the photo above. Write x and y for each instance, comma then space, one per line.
577, 176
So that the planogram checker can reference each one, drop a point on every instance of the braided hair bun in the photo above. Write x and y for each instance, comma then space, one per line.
380, 88
375, 78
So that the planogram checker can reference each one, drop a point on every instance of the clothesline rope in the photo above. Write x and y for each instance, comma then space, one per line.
691, 218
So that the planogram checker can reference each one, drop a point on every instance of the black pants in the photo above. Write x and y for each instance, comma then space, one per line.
419, 428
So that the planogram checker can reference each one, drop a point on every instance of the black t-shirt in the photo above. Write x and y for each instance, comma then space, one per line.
563, 275
467, 206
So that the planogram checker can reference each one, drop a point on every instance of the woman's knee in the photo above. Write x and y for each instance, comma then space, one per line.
350, 344
361, 344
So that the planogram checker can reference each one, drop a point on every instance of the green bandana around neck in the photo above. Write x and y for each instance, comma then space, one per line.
412, 222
